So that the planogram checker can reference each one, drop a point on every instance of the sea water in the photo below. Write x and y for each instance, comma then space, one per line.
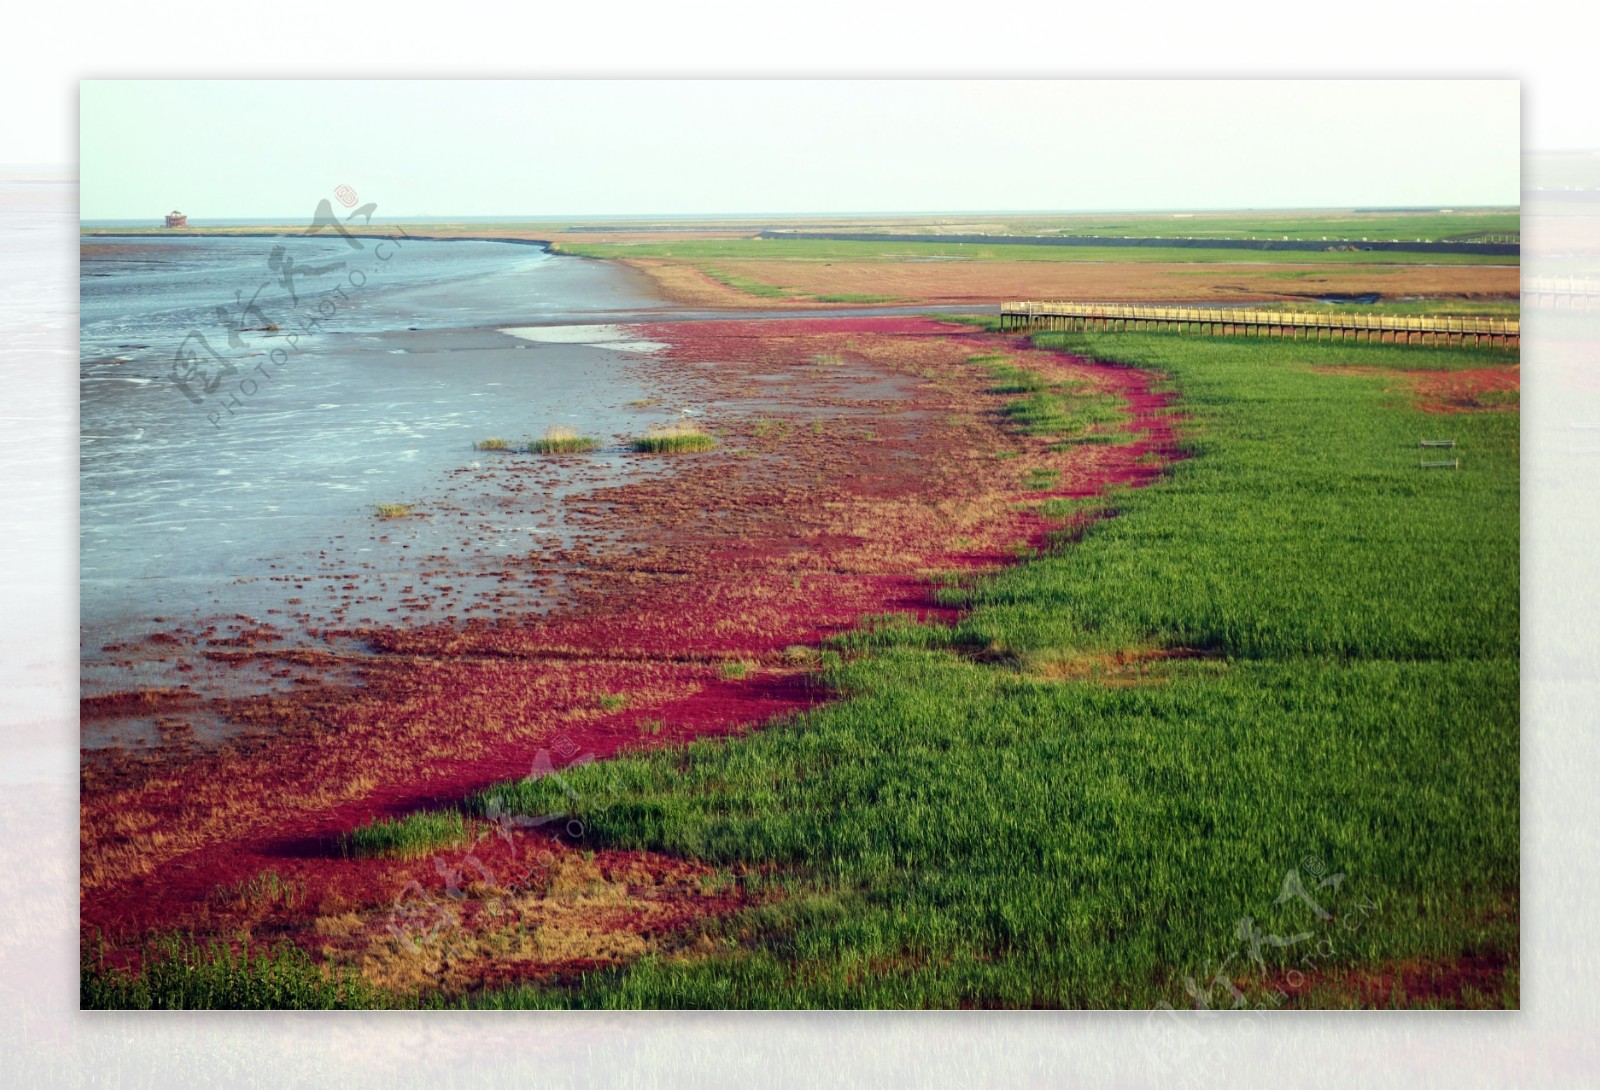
229, 471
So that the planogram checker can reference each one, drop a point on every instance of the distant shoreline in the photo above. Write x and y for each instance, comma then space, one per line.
285, 233
1176, 242
1491, 249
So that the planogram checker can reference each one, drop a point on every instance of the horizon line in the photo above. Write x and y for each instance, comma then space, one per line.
630, 216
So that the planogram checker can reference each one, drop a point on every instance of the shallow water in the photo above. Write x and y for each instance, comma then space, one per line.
257, 503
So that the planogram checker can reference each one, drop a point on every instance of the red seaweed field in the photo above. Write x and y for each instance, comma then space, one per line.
856, 460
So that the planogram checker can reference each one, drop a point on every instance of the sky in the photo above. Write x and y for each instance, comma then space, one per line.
272, 149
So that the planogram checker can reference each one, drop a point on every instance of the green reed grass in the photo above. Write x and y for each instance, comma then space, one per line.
674, 438
560, 439
178, 971
410, 836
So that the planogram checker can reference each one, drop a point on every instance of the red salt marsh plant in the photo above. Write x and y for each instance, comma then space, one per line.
812, 540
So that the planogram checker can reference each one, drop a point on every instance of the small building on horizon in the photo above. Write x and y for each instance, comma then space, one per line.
177, 219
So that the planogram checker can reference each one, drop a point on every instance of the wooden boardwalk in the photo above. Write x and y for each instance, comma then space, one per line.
1228, 321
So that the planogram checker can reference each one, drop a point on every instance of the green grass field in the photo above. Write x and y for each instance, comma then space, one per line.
975, 825
1261, 723
1402, 226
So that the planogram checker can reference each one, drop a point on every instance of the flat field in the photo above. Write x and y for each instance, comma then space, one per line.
1260, 724
949, 668
733, 272
1244, 734
751, 281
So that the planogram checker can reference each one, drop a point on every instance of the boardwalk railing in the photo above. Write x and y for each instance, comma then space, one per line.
1398, 329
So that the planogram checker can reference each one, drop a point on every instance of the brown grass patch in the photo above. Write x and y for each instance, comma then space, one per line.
1470, 981
577, 912
1466, 391
689, 285
998, 281
1123, 667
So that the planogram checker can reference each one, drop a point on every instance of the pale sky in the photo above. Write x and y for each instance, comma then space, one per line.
574, 148
240, 149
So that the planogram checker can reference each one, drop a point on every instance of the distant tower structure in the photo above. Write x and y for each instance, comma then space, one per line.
177, 219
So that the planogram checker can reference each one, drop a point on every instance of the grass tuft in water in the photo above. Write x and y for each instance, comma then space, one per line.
673, 438
560, 439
